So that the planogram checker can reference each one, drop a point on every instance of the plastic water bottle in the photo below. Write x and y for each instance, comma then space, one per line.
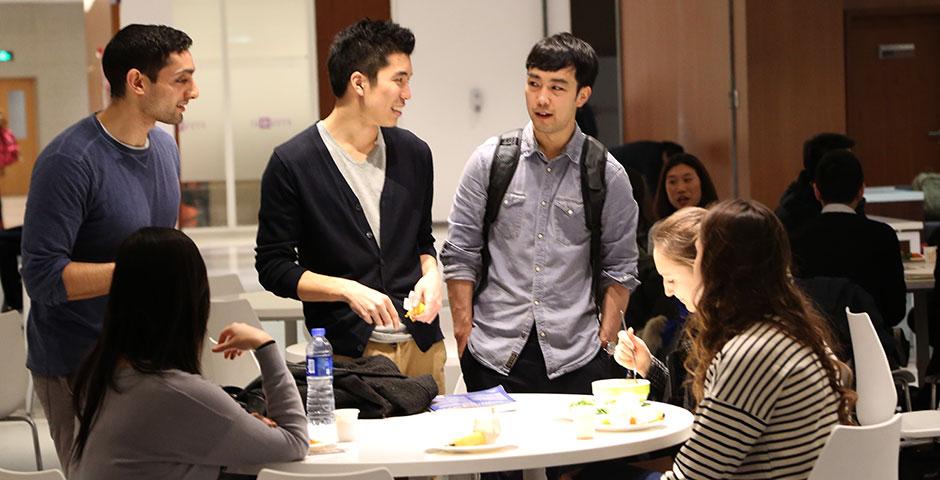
320, 403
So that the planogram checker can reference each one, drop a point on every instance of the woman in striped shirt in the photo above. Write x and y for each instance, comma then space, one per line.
767, 388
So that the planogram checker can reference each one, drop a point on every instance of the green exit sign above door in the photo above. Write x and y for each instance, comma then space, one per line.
6, 56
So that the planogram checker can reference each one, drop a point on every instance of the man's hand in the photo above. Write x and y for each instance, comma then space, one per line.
460, 293
372, 306
239, 337
430, 292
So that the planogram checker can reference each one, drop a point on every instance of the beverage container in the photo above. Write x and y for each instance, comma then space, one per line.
321, 424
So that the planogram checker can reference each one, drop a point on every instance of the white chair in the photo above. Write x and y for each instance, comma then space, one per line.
860, 452
461, 385
877, 398
224, 312
225, 285
373, 474
14, 377
43, 475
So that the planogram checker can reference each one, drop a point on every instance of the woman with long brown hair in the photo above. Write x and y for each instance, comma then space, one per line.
767, 387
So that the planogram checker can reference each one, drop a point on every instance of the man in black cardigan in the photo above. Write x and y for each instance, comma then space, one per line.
842, 243
345, 219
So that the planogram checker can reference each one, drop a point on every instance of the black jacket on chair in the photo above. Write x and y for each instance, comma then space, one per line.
864, 251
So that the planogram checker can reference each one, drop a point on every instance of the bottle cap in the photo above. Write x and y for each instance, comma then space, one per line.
317, 332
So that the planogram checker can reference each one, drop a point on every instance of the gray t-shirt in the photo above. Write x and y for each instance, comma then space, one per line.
366, 179
179, 425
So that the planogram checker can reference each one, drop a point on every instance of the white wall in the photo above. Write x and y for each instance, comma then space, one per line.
49, 43
462, 47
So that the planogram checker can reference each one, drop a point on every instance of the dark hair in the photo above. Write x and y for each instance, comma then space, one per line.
709, 195
744, 264
839, 177
564, 50
819, 145
671, 148
155, 320
144, 47
641, 195
364, 47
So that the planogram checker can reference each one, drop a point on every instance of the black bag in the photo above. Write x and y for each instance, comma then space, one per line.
593, 193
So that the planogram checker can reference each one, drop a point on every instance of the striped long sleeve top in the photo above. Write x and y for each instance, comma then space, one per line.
767, 411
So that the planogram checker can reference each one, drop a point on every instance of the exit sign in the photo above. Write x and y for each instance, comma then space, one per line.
6, 55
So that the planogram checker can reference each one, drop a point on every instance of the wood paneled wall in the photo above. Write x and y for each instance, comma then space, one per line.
676, 78
789, 74
795, 75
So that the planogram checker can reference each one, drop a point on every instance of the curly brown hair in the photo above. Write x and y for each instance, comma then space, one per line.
744, 264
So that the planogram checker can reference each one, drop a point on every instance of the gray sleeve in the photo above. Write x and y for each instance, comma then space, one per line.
460, 254
245, 439
619, 254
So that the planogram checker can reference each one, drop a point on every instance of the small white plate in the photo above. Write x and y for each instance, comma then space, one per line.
319, 446
600, 426
487, 447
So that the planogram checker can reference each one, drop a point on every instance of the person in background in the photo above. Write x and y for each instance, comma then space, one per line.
798, 204
684, 183
100, 180
345, 217
9, 237
767, 387
646, 157
841, 243
144, 411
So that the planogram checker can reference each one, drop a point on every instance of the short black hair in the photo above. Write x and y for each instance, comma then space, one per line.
364, 47
144, 47
821, 144
839, 177
564, 50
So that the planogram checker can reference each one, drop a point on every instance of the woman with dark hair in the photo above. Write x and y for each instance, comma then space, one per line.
684, 182
144, 410
767, 387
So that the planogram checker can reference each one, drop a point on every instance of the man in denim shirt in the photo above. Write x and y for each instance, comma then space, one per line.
534, 326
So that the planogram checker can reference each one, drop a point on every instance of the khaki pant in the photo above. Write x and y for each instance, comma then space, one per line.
410, 359
55, 395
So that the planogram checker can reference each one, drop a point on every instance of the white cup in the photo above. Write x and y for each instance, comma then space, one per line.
346, 419
583, 416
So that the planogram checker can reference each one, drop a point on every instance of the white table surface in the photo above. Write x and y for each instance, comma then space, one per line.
540, 436
269, 306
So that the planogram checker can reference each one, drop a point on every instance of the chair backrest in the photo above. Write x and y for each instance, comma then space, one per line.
43, 475
237, 372
373, 474
225, 285
224, 312
860, 452
14, 377
877, 398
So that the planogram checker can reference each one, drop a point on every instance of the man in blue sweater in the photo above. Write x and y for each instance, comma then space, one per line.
100, 180
345, 218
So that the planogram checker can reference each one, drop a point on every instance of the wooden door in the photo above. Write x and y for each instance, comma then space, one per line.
333, 16
893, 93
18, 106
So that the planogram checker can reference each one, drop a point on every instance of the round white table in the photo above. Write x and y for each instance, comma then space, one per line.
536, 430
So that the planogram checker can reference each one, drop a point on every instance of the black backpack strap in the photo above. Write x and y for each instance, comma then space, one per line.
505, 160
593, 193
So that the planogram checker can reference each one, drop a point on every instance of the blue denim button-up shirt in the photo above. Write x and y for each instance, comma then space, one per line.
540, 248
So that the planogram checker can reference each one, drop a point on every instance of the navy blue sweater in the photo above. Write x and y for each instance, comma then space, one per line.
88, 193
311, 220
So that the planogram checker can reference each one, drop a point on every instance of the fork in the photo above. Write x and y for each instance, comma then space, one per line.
612, 347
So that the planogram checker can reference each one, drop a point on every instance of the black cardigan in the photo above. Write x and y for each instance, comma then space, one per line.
309, 215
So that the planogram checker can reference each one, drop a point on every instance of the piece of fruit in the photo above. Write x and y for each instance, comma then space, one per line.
475, 438
417, 310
